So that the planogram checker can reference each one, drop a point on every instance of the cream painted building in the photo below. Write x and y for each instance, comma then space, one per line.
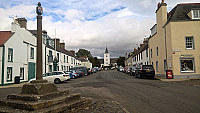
85, 62
175, 40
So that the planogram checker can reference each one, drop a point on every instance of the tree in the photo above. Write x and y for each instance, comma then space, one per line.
120, 61
83, 53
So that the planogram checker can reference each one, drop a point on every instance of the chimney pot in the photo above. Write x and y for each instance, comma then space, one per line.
158, 4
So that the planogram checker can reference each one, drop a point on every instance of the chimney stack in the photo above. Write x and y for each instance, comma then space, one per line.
44, 32
22, 22
163, 1
57, 42
72, 51
62, 45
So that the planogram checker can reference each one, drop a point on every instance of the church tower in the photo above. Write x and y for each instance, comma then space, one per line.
106, 58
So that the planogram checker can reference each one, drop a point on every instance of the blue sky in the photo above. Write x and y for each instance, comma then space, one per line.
90, 24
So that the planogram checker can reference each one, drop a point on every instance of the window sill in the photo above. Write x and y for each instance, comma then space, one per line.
189, 48
187, 72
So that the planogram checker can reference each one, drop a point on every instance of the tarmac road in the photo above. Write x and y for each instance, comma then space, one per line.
138, 95
132, 94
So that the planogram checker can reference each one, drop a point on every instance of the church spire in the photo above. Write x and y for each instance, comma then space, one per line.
106, 50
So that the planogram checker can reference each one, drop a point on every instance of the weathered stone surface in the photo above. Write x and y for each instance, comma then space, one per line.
68, 107
38, 88
36, 105
39, 81
26, 97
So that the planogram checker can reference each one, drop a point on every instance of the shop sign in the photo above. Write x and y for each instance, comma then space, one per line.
187, 55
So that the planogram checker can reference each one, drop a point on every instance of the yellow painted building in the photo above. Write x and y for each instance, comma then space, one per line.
175, 40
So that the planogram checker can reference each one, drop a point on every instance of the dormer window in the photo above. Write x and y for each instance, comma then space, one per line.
195, 14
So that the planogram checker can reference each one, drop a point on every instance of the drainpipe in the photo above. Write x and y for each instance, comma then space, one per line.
166, 47
27, 60
3, 55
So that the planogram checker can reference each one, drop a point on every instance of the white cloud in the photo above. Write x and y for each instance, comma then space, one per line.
120, 30
73, 14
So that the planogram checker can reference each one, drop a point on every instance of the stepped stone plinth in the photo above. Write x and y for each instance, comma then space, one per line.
43, 97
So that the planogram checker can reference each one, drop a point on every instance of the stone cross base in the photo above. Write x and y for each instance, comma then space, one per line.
38, 88
59, 101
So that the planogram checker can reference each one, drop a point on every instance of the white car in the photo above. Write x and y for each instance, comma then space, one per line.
55, 77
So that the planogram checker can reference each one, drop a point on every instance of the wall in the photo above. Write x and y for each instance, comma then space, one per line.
179, 31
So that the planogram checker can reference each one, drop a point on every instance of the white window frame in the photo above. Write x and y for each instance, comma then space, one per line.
32, 53
21, 73
10, 54
198, 14
189, 42
9, 73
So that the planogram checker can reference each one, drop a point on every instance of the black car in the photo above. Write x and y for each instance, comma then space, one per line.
145, 70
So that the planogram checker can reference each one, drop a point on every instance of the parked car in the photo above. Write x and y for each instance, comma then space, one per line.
84, 69
80, 73
74, 74
94, 70
133, 69
145, 70
125, 69
90, 71
128, 70
55, 77
112, 68
70, 74
121, 69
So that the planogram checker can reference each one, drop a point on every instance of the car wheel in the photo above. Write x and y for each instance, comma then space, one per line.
135, 75
140, 76
73, 77
57, 81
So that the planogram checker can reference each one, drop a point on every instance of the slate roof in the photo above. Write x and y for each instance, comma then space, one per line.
180, 11
4, 36
82, 59
34, 32
65, 51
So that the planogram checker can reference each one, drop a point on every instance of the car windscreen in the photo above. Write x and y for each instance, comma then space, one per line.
147, 67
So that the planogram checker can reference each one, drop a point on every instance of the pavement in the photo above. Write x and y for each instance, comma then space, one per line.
13, 85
